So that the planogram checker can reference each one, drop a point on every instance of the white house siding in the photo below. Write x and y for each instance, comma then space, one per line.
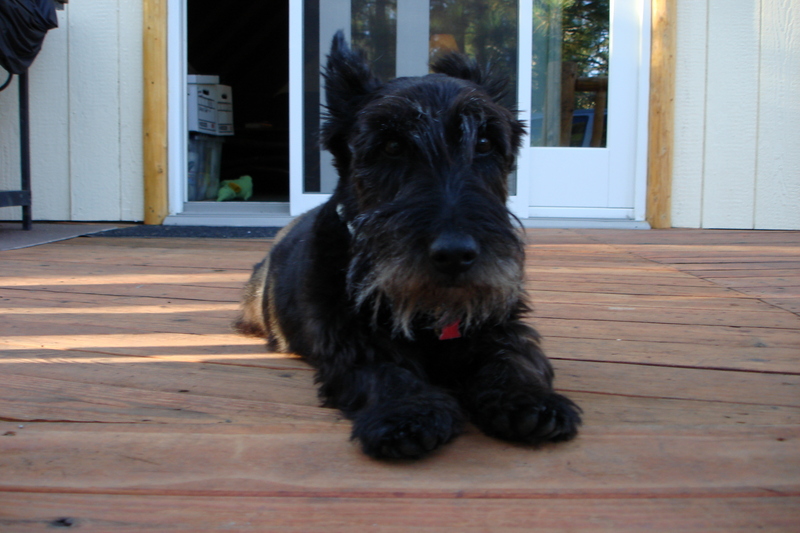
737, 115
778, 170
85, 110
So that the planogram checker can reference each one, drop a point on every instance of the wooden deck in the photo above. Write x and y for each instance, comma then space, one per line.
127, 404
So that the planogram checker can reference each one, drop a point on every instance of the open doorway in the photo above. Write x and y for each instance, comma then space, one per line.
246, 44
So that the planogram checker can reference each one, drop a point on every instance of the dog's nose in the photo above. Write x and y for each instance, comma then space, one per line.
453, 253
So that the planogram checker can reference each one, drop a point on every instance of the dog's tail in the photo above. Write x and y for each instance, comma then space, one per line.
251, 321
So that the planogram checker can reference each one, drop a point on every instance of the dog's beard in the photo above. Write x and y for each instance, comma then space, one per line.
416, 296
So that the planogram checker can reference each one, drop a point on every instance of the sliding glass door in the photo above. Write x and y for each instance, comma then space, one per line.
575, 69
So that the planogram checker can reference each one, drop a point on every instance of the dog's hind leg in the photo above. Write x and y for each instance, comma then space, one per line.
257, 314
251, 320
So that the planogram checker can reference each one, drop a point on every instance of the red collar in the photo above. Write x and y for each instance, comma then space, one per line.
451, 331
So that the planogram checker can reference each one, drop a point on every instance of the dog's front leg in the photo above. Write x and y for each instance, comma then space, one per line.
396, 413
510, 395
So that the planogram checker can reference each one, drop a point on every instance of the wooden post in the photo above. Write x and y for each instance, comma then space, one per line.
569, 73
154, 120
600, 102
662, 114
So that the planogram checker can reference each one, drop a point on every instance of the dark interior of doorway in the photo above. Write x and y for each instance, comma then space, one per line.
246, 44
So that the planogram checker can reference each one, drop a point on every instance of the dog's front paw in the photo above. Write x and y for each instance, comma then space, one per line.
408, 429
526, 417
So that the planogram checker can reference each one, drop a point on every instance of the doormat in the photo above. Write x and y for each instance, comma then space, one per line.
191, 232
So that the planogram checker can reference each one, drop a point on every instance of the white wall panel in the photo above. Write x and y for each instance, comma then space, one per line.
130, 97
731, 114
94, 110
85, 111
49, 116
690, 113
48, 131
777, 193
9, 144
737, 115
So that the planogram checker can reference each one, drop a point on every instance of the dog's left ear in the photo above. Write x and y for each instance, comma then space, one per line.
349, 82
348, 79
465, 68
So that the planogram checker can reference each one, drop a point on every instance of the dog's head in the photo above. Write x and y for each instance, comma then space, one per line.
423, 165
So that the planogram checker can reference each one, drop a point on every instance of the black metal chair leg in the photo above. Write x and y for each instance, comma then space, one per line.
25, 148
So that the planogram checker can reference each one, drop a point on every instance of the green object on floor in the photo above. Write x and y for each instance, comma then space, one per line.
235, 189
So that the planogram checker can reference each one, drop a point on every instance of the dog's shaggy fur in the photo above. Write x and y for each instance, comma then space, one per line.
405, 290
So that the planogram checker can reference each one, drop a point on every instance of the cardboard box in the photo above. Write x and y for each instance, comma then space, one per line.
202, 79
224, 101
210, 105
202, 103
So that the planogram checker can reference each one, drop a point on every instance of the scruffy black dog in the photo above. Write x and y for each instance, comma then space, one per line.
405, 290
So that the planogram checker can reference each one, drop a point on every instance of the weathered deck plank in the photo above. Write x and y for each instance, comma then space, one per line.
102, 513
126, 403
318, 459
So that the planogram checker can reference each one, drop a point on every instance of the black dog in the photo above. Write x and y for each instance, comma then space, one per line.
405, 290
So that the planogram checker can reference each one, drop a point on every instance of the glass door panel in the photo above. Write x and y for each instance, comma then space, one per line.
569, 73
374, 30
400, 38
484, 29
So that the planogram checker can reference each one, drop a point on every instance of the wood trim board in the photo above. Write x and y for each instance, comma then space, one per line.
662, 114
154, 118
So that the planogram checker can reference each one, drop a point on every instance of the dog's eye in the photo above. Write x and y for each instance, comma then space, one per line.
393, 148
483, 146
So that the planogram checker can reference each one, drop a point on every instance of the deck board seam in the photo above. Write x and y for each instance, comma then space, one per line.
684, 367
790, 491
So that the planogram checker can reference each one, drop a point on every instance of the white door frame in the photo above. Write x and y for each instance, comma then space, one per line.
177, 120
180, 211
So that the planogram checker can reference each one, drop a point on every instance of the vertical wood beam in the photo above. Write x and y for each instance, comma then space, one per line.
154, 120
662, 113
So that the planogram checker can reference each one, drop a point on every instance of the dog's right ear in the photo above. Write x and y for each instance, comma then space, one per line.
348, 79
